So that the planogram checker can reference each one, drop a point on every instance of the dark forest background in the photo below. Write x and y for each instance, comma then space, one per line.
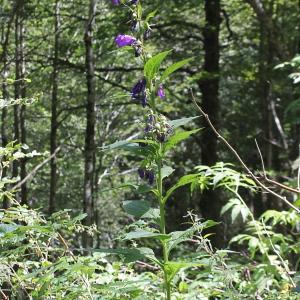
49, 57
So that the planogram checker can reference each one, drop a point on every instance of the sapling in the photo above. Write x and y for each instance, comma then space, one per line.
158, 138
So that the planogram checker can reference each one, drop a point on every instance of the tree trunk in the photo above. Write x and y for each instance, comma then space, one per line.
5, 95
90, 124
269, 47
54, 123
210, 203
23, 161
18, 84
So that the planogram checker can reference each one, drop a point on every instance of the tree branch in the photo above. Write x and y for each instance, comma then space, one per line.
250, 173
33, 172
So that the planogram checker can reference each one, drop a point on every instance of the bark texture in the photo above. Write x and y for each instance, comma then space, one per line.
210, 202
54, 122
89, 159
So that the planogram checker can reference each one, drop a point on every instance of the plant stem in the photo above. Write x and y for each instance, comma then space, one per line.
163, 225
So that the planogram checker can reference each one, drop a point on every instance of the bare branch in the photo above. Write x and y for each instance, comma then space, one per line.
33, 172
261, 158
258, 182
278, 124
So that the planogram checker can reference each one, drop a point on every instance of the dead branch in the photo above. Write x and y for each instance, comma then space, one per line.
258, 182
33, 172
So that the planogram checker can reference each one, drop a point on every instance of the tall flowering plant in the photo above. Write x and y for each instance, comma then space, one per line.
159, 136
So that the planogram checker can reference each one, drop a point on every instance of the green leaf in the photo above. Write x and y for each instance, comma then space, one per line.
139, 10
177, 138
166, 171
150, 16
122, 287
237, 208
153, 64
245, 213
6, 228
116, 145
235, 212
136, 208
138, 234
152, 213
297, 203
184, 180
173, 267
180, 122
171, 69
183, 287
133, 146
141, 209
130, 254
178, 237
218, 178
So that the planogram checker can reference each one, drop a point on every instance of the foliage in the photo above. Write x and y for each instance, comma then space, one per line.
135, 254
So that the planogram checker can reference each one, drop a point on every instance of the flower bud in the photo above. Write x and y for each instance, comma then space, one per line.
147, 34
141, 173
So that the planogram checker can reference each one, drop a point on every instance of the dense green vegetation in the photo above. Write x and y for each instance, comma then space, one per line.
150, 149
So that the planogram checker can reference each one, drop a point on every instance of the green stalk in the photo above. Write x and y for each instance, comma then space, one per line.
163, 224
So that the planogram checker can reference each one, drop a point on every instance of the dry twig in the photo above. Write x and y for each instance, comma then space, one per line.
32, 173
250, 173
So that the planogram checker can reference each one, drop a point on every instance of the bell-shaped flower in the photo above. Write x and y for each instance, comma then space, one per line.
161, 92
149, 176
138, 88
116, 2
141, 173
123, 40
138, 92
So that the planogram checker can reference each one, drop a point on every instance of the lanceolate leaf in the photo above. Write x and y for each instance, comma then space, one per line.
178, 237
116, 145
138, 234
171, 69
184, 180
141, 209
173, 267
150, 15
180, 122
153, 64
133, 146
130, 254
136, 208
177, 138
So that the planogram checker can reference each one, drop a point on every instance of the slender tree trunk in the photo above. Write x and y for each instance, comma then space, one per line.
269, 47
20, 92
54, 123
5, 95
17, 85
89, 159
210, 203
23, 161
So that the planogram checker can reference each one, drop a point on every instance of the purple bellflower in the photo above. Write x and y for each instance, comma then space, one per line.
161, 92
147, 33
134, 25
116, 2
123, 40
141, 173
138, 88
149, 175
138, 92
134, 2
